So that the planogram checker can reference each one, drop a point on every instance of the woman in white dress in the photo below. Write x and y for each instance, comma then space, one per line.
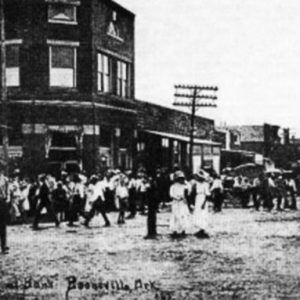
180, 212
201, 211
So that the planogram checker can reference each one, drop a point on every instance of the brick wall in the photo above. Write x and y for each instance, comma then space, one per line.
29, 22
159, 118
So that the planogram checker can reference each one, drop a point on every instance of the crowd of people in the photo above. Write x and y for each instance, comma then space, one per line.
76, 197
267, 191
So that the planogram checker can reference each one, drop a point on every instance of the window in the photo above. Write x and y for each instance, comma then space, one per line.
141, 146
122, 79
104, 73
63, 66
124, 138
61, 139
13, 65
105, 136
62, 13
216, 150
165, 142
207, 150
176, 147
236, 139
15, 135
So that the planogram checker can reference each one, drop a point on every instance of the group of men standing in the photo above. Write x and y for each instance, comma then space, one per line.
269, 190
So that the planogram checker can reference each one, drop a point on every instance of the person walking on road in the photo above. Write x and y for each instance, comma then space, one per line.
44, 202
95, 201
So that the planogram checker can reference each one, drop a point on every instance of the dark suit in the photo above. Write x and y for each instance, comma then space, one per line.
4, 219
45, 202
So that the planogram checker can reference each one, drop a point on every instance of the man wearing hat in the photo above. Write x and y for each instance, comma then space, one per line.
45, 202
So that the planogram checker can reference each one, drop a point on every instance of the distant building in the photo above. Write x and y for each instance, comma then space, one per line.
271, 141
256, 138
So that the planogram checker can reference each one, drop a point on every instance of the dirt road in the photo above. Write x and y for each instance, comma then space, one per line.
250, 255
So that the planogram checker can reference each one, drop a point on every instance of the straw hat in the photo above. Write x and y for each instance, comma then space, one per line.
178, 175
200, 175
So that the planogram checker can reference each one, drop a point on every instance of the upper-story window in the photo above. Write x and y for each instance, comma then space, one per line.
122, 79
62, 13
12, 64
104, 73
63, 64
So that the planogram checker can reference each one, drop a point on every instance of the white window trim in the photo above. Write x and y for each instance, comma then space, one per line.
8, 43
62, 43
14, 42
99, 54
71, 2
74, 5
124, 81
115, 55
63, 22
116, 37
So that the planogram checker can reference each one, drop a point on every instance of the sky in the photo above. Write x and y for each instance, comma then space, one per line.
250, 49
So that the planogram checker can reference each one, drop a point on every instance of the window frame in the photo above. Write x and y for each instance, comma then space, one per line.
17, 43
74, 46
102, 75
123, 84
61, 21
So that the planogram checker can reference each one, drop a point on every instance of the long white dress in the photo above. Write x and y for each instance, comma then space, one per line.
179, 220
201, 215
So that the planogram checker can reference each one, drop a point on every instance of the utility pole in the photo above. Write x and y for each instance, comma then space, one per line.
192, 96
3, 88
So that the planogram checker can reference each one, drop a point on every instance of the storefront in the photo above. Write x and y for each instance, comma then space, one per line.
166, 150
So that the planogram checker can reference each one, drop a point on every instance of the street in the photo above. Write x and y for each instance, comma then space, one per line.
250, 255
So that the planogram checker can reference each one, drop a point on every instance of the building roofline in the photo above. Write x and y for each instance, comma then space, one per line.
116, 4
74, 104
171, 108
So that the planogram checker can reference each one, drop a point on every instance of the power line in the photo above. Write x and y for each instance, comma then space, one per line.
192, 96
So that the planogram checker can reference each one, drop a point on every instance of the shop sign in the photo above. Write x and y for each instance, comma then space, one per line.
13, 151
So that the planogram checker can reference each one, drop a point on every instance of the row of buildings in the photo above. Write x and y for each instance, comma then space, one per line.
70, 76
259, 144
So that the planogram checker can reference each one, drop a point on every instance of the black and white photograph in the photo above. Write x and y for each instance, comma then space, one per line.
149, 150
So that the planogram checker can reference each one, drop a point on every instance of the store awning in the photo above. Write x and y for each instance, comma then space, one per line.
183, 138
